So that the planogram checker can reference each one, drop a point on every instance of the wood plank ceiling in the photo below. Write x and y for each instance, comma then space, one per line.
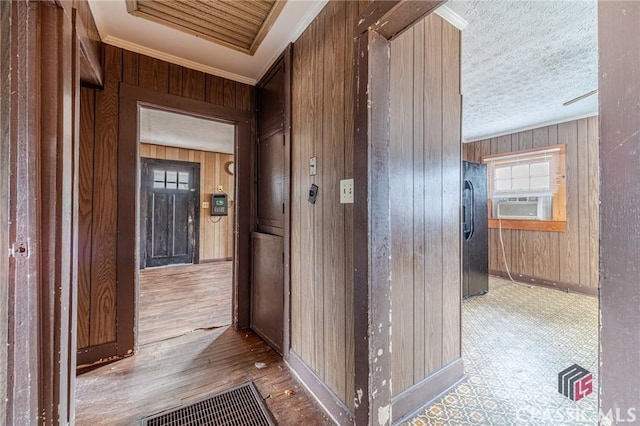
237, 24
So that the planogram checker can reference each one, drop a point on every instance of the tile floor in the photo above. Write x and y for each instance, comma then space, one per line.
516, 339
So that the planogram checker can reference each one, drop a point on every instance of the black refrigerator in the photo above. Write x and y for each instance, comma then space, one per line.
475, 233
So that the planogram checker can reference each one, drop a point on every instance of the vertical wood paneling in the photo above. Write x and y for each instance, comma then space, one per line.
130, 67
593, 170
569, 245
175, 79
296, 203
97, 317
419, 313
432, 195
322, 127
582, 185
304, 115
216, 235
571, 257
317, 219
229, 93
104, 229
401, 195
85, 218
425, 155
153, 74
193, 84
451, 198
214, 92
333, 211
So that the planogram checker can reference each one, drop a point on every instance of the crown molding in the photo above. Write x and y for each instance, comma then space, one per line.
134, 47
452, 17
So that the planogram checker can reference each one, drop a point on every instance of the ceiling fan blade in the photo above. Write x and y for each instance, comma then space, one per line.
579, 98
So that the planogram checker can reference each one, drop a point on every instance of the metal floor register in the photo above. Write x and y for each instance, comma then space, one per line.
241, 405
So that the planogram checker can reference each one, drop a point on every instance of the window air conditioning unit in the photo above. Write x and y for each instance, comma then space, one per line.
523, 208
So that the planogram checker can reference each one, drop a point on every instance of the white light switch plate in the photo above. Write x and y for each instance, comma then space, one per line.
346, 191
313, 166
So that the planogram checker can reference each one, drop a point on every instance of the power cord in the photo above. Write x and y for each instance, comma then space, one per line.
215, 221
504, 256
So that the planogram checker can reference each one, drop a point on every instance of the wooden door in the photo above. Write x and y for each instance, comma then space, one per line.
268, 306
171, 221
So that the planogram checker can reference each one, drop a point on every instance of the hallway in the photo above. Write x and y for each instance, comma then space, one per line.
187, 350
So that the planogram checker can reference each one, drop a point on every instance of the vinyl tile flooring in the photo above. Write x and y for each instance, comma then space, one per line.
516, 339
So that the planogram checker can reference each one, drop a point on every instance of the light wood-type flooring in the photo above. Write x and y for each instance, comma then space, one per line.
187, 351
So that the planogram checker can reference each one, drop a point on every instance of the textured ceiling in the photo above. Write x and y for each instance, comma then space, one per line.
522, 59
184, 131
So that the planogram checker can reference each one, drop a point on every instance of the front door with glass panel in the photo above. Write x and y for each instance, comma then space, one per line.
170, 198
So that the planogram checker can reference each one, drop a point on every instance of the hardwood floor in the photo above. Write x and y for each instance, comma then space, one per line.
179, 299
189, 352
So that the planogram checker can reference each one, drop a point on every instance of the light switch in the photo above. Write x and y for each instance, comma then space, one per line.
205, 204
312, 166
346, 191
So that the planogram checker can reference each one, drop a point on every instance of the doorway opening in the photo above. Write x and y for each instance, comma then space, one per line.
530, 191
186, 240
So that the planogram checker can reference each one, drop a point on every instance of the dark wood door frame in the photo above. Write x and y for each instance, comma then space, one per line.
618, 38
128, 244
39, 177
143, 204
381, 22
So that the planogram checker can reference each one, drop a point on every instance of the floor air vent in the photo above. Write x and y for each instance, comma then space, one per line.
241, 405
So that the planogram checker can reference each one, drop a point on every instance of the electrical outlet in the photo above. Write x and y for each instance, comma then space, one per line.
205, 204
346, 191
312, 166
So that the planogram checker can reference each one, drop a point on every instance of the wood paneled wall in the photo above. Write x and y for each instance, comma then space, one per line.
216, 234
425, 200
97, 310
322, 333
618, 36
568, 258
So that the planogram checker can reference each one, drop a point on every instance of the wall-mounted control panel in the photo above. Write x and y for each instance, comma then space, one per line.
219, 204
313, 193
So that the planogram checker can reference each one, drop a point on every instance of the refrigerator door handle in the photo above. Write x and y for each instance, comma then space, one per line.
471, 207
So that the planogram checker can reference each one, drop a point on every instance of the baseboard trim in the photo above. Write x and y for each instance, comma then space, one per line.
224, 259
328, 400
424, 393
541, 282
105, 352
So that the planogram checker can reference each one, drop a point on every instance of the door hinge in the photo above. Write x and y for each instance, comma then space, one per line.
282, 208
19, 250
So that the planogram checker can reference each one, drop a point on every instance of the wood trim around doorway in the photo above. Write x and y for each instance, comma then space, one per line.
130, 98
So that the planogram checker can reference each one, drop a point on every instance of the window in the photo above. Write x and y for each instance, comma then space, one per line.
167, 179
527, 189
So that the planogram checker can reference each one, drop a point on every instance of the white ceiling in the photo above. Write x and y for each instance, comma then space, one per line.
522, 59
121, 29
185, 131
